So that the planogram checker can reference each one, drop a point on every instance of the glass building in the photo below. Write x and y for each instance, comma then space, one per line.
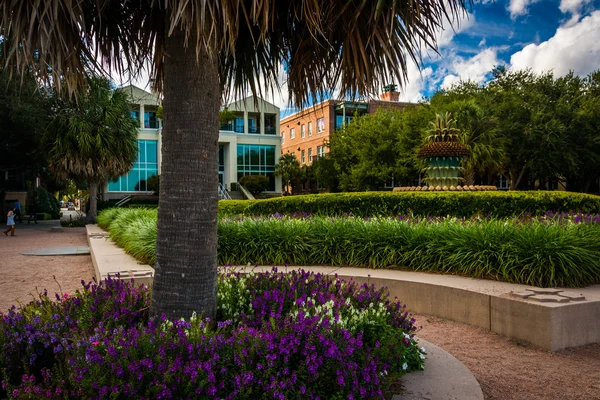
145, 166
256, 159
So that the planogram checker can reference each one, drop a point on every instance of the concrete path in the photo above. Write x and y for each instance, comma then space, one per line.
59, 251
444, 378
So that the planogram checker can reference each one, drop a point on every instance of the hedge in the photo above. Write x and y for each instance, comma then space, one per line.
44, 217
368, 204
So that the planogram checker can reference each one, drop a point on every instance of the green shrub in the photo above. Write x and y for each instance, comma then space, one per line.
255, 183
233, 207
466, 204
44, 217
46, 203
560, 251
153, 184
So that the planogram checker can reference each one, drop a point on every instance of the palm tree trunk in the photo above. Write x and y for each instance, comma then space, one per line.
186, 245
93, 199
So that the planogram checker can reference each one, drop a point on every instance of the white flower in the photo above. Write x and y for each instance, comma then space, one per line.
423, 350
404, 366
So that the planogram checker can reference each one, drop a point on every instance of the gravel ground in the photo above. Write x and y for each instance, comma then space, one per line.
505, 368
24, 276
509, 370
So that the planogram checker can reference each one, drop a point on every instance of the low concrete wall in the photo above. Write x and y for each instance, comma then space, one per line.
446, 302
110, 260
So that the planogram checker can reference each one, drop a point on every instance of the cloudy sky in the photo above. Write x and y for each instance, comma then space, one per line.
557, 35
543, 35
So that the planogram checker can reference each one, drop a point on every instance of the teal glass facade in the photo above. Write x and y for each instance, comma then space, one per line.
253, 159
145, 166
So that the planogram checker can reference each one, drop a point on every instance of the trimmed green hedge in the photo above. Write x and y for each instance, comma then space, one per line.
44, 217
234, 207
458, 204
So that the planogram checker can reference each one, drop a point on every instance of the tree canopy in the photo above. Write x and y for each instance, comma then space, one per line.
93, 139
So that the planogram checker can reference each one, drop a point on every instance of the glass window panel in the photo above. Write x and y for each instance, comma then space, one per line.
270, 156
114, 186
151, 151
141, 151
254, 156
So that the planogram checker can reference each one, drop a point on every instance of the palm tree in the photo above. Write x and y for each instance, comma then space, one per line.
478, 133
289, 169
93, 139
202, 52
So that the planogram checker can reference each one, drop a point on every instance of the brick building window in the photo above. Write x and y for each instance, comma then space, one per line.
303, 131
320, 151
310, 129
282, 137
310, 155
320, 125
302, 157
293, 133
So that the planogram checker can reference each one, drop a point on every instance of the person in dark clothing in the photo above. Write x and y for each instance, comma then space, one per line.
32, 211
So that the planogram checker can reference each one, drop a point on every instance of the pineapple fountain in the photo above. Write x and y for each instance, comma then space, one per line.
443, 154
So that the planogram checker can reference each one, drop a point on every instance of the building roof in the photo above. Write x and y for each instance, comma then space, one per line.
140, 96
253, 104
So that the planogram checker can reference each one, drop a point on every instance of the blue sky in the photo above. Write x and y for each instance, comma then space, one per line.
556, 35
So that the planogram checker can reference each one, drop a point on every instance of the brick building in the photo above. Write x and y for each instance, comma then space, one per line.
304, 133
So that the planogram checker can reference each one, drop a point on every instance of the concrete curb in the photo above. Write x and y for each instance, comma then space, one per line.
444, 378
110, 260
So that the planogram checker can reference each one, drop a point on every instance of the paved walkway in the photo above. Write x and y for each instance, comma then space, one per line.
21, 277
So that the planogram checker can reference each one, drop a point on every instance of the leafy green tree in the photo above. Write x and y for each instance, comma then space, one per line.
24, 114
289, 169
93, 139
325, 173
201, 51
374, 148
256, 184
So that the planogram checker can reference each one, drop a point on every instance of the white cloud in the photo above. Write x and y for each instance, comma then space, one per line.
416, 83
481, 43
450, 29
519, 7
574, 47
473, 69
572, 6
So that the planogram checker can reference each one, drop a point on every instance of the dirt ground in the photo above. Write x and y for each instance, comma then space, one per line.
21, 276
505, 368
509, 370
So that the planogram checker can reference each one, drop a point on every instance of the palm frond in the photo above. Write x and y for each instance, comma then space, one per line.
352, 46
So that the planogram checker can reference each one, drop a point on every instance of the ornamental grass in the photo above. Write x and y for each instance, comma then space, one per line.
546, 251
279, 336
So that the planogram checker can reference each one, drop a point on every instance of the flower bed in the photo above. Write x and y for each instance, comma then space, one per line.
281, 336
550, 250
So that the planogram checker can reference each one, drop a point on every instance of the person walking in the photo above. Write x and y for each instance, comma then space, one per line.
10, 224
32, 211
17, 208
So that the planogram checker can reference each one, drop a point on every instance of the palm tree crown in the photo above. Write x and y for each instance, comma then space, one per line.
353, 46
95, 139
